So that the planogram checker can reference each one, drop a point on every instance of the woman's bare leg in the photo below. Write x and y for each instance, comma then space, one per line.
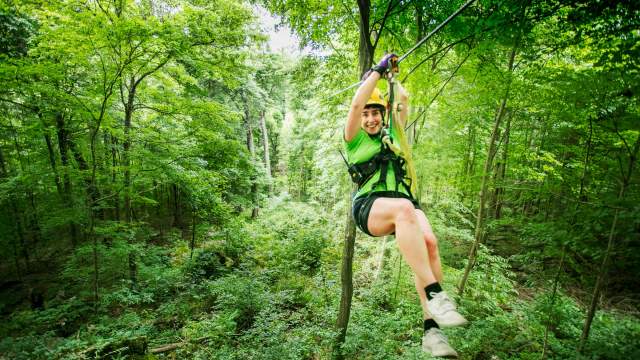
388, 215
423, 297
434, 259
432, 245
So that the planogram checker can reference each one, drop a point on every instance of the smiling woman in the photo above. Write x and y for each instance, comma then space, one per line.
384, 203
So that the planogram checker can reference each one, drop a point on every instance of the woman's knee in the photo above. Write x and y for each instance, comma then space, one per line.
405, 211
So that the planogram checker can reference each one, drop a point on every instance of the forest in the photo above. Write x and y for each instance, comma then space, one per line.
171, 187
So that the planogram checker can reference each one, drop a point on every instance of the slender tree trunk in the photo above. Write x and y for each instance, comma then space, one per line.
175, 206
469, 165
248, 126
34, 224
538, 199
365, 48
52, 162
192, 243
365, 56
467, 155
346, 276
128, 104
265, 146
63, 148
499, 191
93, 193
419, 21
495, 170
94, 237
602, 274
252, 151
126, 148
479, 233
114, 181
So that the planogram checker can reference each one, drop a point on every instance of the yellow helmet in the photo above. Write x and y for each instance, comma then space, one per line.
376, 99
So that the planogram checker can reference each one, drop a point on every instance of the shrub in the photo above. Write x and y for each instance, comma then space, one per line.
245, 296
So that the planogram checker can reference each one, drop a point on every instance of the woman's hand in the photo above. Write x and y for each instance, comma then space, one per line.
384, 63
381, 67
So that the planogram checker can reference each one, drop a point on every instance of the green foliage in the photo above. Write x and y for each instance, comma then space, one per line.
294, 236
222, 252
491, 287
244, 296
17, 31
126, 177
63, 318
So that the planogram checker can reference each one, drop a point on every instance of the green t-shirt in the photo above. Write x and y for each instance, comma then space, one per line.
362, 148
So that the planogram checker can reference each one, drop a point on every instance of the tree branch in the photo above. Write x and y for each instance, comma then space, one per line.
384, 19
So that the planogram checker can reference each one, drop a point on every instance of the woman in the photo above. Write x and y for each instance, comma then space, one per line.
384, 204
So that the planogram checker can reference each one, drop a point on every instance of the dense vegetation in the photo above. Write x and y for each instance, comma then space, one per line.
172, 188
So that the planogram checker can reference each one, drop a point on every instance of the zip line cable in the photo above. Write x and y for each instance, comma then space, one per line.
436, 30
433, 32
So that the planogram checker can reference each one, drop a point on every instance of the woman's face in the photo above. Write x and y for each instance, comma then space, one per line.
371, 120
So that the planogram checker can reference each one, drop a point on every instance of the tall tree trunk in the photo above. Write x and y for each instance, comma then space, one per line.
34, 224
469, 165
495, 170
252, 152
126, 148
192, 243
52, 162
265, 146
346, 277
365, 47
419, 21
91, 186
63, 148
128, 104
499, 191
602, 273
114, 181
175, 206
479, 233
365, 57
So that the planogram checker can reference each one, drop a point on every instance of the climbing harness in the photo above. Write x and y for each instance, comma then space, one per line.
391, 154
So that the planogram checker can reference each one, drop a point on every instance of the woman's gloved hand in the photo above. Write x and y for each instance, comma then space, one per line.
384, 63
381, 67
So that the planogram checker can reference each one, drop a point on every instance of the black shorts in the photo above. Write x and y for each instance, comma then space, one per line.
362, 206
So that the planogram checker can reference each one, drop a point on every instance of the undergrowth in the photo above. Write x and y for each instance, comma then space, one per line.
270, 290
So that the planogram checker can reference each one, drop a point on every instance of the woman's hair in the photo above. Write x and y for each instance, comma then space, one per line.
382, 109
406, 153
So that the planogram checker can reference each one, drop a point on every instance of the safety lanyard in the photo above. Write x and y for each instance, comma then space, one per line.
385, 133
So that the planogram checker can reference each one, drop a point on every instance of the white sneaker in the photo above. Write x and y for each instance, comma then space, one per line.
435, 343
443, 310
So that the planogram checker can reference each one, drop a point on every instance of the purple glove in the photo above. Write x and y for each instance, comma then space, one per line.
384, 63
382, 66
